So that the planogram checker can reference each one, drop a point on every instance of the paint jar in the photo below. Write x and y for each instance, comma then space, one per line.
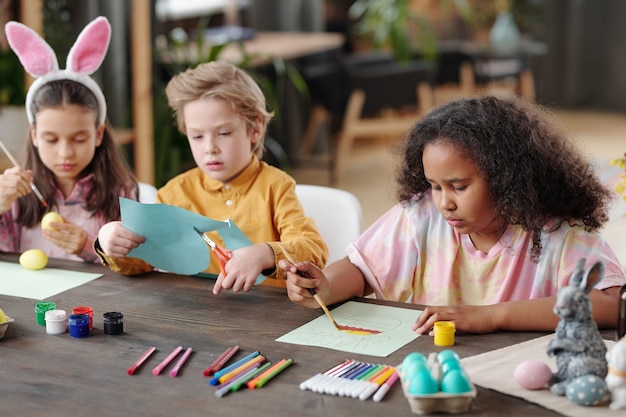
85, 310
56, 321
444, 333
79, 325
40, 310
113, 322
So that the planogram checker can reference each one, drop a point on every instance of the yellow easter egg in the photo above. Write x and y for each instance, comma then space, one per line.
34, 259
3, 317
53, 216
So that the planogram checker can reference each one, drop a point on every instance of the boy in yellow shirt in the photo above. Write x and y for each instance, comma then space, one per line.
222, 111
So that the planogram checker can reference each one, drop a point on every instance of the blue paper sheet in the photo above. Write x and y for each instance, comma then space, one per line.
171, 242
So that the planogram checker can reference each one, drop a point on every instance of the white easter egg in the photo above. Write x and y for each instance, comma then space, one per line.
588, 390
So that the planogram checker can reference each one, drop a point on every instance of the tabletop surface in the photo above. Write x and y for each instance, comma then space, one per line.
58, 375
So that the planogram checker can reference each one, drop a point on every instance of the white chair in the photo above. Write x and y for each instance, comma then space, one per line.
337, 214
147, 192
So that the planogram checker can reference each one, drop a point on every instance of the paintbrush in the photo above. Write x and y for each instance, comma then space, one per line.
32, 185
311, 290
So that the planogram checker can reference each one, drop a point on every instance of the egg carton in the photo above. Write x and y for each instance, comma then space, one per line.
440, 402
4, 326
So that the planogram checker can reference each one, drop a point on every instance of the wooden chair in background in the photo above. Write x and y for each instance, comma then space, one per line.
383, 98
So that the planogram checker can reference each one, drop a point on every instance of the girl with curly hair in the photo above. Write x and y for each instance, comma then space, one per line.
495, 210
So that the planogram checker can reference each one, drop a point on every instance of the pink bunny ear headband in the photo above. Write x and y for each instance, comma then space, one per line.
40, 61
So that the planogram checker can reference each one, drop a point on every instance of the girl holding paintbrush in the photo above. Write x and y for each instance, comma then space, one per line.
73, 166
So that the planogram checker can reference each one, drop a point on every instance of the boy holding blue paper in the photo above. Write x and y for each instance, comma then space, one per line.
222, 111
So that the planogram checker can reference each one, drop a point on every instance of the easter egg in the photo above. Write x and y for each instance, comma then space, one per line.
413, 363
588, 390
34, 259
531, 374
421, 383
3, 317
48, 218
455, 381
447, 354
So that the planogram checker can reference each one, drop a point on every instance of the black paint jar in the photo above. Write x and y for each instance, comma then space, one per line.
113, 322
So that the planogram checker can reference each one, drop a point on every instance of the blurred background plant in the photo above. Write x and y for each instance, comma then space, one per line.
12, 88
394, 25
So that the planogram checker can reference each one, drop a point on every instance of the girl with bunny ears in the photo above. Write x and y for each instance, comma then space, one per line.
71, 156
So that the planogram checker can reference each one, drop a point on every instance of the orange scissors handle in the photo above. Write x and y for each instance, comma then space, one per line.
223, 255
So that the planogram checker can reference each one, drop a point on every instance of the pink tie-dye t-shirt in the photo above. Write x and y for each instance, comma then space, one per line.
14, 238
411, 254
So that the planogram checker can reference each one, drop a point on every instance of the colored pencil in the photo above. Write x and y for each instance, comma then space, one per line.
252, 383
157, 370
284, 364
141, 360
242, 381
244, 367
180, 363
218, 374
384, 388
220, 361
225, 388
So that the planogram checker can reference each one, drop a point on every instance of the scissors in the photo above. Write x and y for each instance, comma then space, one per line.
223, 255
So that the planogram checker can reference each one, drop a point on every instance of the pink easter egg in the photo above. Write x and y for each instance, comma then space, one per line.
531, 374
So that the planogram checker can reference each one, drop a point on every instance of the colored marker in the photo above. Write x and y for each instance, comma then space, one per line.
242, 381
180, 363
157, 370
225, 388
384, 388
283, 364
317, 377
218, 374
376, 383
364, 380
220, 361
141, 360
235, 372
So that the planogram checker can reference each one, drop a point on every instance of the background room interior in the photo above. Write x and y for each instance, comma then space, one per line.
576, 62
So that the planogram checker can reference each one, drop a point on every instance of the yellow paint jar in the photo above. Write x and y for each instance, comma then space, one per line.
444, 333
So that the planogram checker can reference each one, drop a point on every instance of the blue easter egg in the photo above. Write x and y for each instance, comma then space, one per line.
447, 354
413, 363
455, 381
422, 383
588, 390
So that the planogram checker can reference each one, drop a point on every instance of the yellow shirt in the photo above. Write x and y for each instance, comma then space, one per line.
261, 201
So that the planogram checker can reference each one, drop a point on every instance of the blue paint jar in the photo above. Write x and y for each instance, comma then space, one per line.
79, 325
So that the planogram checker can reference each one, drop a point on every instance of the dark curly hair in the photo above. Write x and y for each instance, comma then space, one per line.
534, 174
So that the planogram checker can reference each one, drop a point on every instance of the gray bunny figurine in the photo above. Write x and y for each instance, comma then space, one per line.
577, 343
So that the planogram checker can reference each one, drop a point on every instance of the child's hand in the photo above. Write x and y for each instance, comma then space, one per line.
244, 267
14, 183
301, 279
116, 241
473, 319
67, 236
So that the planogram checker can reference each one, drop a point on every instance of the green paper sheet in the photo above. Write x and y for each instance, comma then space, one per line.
171, 242
393, 323
18, 281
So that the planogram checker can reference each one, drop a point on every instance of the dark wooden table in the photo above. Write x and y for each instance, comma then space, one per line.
57, 375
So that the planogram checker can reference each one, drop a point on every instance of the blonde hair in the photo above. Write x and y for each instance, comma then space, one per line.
220, 80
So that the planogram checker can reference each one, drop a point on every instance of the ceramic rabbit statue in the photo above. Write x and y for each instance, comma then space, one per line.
577, 342
616, 378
